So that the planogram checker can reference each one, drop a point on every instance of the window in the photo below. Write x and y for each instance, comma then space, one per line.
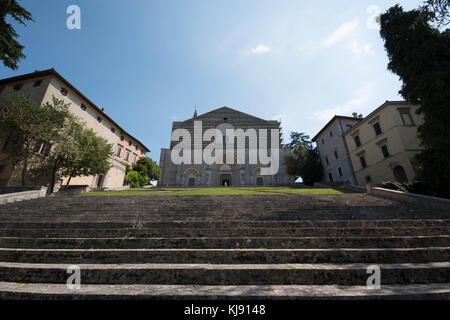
335, 154
129, 143
127, 155
363, 162
42, 148
122, 138
357, 141
83, 107
17, 87
323, 141
119, 150
405, 115
385, 151
2, 168
99, 119
368, 179
37, 83
377, 129
326, 160
113, 130
134, 158
330, 177
63, 91
331, 133
340, 172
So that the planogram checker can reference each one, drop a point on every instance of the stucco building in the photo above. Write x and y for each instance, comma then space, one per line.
230, 174
333, 151
382, 145
41, 86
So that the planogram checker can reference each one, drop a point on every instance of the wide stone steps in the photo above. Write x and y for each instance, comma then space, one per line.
225, 256
228, 224
10, 290
228, 243
227, 274
224, 232
256, 247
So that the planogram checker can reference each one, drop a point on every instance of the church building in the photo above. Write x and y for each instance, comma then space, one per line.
259, 134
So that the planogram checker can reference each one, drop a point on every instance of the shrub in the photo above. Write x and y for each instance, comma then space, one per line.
135, 179
394, 185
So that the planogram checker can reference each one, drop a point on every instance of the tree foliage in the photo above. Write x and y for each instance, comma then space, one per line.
148, 168
26, 125
439, 10
10, 49
420, 55
79, 152
135, 179
302, 160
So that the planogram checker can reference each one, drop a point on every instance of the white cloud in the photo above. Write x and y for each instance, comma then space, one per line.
356, 48
260, 49
356, 104
341, 33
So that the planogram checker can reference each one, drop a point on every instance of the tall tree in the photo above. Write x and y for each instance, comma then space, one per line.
147, 167
420, 55
28, 128
10, 49
302, 160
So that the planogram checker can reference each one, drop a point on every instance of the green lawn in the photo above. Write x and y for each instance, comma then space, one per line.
217, 191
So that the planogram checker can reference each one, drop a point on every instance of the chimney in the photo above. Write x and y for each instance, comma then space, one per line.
360, 116
355, 115
103, 110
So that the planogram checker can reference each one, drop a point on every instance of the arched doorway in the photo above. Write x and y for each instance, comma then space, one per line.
400, 174
225, 180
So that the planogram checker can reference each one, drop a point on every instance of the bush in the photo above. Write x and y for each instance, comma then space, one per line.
135, 179
394, 185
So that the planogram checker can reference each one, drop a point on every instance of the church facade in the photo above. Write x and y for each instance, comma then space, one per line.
228, 168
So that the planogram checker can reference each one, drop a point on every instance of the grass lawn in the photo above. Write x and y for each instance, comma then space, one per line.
217, 191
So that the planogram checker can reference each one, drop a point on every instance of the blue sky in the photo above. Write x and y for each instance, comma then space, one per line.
151, 62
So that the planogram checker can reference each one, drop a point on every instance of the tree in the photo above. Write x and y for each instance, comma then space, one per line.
28, 128
135, 179
302, 160
79, 152
148, 168
439, 10
93, 154
11, 50
420, 55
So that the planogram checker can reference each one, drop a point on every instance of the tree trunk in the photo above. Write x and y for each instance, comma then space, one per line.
24, 172
55, 168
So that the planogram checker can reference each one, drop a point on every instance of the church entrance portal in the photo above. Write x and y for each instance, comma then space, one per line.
225, 179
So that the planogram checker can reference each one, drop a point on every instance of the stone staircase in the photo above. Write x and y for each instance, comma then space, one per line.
223, 247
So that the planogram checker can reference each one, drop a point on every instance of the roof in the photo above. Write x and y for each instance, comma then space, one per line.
52, 72
230, 110
331, 121
385, 104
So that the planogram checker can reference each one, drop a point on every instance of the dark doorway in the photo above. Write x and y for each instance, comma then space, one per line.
191, 182
100, 181
225, 180
400, 174
259, 181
